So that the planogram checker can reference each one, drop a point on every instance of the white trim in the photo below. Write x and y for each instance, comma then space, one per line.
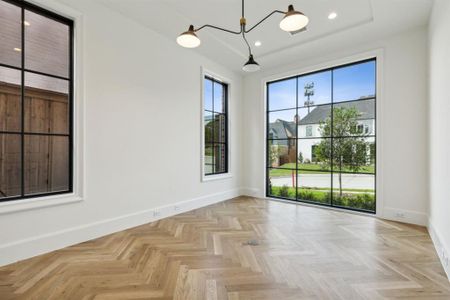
79, 191
379, 55
205, 72
30, 247
441, 250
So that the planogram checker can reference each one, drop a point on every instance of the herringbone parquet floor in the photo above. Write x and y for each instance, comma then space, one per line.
244, 248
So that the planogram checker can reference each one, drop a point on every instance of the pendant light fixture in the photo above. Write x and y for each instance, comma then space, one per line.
292, 21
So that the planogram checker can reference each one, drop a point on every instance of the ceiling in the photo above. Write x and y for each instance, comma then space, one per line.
371, 17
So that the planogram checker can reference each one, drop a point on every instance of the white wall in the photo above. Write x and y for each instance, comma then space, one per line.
439, 33
402, 119
142, 136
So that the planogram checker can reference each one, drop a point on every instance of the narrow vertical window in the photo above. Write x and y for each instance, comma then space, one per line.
215, 122
36, 100
321, 137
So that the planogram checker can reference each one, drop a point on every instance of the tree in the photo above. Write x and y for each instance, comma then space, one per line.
274, 154
348, 153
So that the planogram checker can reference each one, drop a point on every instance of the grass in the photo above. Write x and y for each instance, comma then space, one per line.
364, 201
313, 169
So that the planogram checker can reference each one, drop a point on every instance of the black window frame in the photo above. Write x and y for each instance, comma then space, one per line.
225, 88
332, 103
26, 6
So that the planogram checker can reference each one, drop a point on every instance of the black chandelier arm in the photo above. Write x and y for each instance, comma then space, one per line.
248, 45
218, 28
265, 18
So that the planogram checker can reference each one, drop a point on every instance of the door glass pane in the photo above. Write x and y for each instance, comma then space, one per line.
282, 94
354, 82
46, 164
10, 34
314, 89
10, 100
10, 165
46, 104
46, 45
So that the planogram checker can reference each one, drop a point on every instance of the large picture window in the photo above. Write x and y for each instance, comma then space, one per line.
36, 100
321, 136
215, 122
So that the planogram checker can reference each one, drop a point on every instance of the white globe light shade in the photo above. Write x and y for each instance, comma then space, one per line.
188, 39
294, 21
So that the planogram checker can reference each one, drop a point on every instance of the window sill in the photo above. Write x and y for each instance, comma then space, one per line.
35, 203
216, 177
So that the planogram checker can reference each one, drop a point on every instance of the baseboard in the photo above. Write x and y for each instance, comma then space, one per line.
27, 248
441, 250
251, 192
405, 216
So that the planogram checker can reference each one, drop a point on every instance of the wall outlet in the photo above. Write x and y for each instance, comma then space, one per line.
400, 214
176, 208
156, 213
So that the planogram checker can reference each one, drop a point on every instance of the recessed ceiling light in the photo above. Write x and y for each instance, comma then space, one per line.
332, 16
17, 49
26, 23
258, 43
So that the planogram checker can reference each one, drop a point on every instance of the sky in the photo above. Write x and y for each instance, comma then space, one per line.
349, 83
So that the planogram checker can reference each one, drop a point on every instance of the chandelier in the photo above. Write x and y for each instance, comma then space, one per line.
293, 21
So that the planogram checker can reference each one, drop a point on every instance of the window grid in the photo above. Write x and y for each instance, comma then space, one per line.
28, 7
332, 137
218, 145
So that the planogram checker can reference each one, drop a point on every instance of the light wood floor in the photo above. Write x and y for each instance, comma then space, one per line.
240, 249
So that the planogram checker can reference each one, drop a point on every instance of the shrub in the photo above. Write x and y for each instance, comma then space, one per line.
284, 191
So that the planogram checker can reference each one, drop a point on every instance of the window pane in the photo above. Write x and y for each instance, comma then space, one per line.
282, 154
314, 89
314, 186
209, 159
281, 183
209, 127
219, 98
354, 82
220, 158
355, 191
354, 155
10, 34
314, 154
220, 126
10, 165
282, 124
282, 94
10, 100
46, 164
46, 45
314, 122
208, 94
46, 104
355, 118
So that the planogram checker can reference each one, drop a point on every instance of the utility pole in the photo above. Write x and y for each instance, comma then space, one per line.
309, 91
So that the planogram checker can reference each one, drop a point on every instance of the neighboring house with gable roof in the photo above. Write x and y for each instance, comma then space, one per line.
309, 126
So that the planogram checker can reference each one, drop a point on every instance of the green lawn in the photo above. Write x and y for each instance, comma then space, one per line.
313, 169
